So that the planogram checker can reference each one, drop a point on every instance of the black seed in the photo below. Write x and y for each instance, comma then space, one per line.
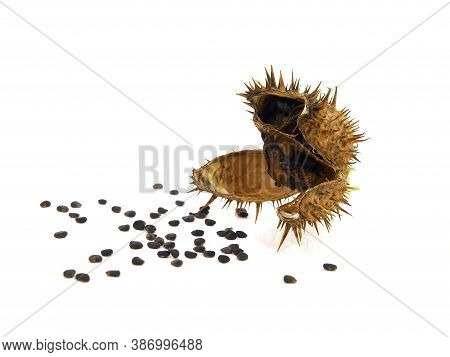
95, 258
116, 209
190, 255
153, 245
199, 249
241, 234
135, 245
162, 210
157, 186
199, 241
226, 250
159, 240
75, 204
179, 203
221, 233
82, 277
154, 215
150, 228
210, 222
242, 256
329, 267
288, 279
163, 253
124, 228
200, 215
81, 219
45, 204
197, 233
137, 261
176, 263
189, 218
223, 259
173, 192
102, 202
69, 273
113, 273
169, 245
106, 252
171, 236
209, 254
204, 209
60, 234
174, 223
234, 246
130, 214
151, 236
139, 225
231, 235
241, 212
63, 209
238, 251
174, 252
74, 215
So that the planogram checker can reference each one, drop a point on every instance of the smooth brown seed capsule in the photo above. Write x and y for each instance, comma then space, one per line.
169, 245
95, 258
199, 249
75, 204
163, 253
151, 236
288, 279
149, 228
153, 245
174, 192
171, 236
157, 186
199, 241
63, 209
82, 277
135, 245
70, 273
81, 220
174, 223
197, 233
45, 204
329, 267
242, 256
209, 254
190, 255
139, 225
60, 234
159, 240
116, 209
176, 263
154, 215
162, 210
189, 218
179, 203
223, 259
102, 202
106, 252
124, 228
74, 215
130, 214
174, 252
137, 261
210, 222
113, 273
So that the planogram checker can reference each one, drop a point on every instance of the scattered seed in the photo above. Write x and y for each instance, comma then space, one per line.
151, 236
329, 267
236, 251
150, 228
162, 210
204, 209
63, 209
226, 250
209, 254
153, 245
60, 234
190, 255
231, 235
174, 252
81, 220
124, 228
74, 215
176, 263
241, 234
221, 233
179, 203
197, 233
159, 240
106, 252
82, 277
242, 256
139, 225
288, 279
95, 258
102, 202
154, 215
210, 222
116, 209
75, 204
169, 245
137, 261
189, 218
130, 214
174, 223
223, 259
171, 236
234, 246
70, 273
113, 273
157, 186
163, 253
200, 215
241, 212
199, 249
135, 245
199, 242
174, 192
45, 204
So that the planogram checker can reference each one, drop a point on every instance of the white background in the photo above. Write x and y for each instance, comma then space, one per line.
67, 135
